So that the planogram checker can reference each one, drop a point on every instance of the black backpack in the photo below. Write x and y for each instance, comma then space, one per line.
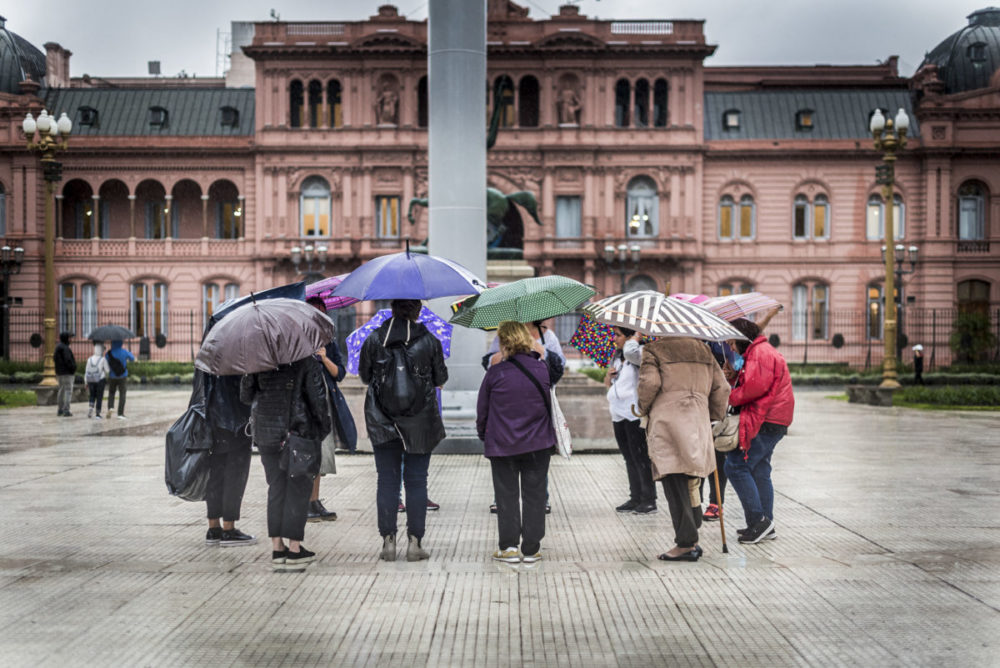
399, 390
115, 364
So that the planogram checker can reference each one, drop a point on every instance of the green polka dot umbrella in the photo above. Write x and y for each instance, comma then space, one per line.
526, 300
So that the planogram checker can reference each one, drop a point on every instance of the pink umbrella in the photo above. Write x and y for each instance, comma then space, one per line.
325, 289
746, 305
687, 297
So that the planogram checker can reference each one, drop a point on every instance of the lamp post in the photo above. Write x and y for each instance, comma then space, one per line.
620, 256
10, 263
900, 253
309, 261
890, 137
52, 137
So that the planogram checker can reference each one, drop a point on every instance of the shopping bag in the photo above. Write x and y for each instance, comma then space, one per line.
564, 443
189, 441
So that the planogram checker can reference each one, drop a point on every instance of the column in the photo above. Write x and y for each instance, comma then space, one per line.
95, 218
168, 228
204, 216
240, 221
131, 216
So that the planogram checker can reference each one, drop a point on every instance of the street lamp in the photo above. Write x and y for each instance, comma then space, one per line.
10, 263
900, 253
309, 261
620, 256
52, 137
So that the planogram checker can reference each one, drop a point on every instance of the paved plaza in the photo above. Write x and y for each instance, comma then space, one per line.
888, 523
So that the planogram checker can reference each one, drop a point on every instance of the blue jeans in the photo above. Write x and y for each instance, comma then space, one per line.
389, 464
752, 478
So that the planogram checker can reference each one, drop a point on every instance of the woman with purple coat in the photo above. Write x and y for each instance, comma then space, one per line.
514, 423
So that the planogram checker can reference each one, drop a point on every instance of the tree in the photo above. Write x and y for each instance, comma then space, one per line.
971, 338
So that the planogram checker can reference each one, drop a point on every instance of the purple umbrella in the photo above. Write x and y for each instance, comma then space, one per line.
435, 325
325, 290
409, 276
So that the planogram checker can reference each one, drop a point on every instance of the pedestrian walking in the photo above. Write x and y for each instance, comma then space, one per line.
918, 364
514, 422
118, 361
290, 400
622, 380
65, 365
95, 375
402, 363
763, 392
681, 389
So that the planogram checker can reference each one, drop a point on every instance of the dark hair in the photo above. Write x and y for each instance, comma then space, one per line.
626, 331
748, 329
318, 302
64, 336
407, 309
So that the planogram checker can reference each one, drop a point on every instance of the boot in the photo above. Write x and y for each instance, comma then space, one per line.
414, 552
388, 548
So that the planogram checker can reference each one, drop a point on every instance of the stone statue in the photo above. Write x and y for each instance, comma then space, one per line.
568, 107
504, 225
387, 106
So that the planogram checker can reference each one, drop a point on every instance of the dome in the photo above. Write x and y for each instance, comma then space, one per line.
18, 59
968, 58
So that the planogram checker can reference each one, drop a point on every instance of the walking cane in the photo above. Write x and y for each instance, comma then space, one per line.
722, 519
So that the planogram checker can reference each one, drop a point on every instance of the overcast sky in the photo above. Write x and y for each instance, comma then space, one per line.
118, 37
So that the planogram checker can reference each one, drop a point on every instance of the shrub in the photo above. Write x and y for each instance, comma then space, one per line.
949, 395
971, 337
15, 398
594, 373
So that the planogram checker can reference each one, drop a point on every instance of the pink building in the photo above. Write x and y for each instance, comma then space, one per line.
178, 193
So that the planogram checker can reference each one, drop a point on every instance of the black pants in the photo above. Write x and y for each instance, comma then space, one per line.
287, 498
519, 488
96, 395
631, 440
117, 384
229, 469
720, 466
686, 519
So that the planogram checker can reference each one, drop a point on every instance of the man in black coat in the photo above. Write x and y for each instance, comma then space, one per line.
66, 373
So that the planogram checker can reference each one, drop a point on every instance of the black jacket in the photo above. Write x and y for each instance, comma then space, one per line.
422, 432
64, 360
269, 395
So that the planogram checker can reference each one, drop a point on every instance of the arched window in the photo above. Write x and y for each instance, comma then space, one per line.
88, 308
748, 218
422, 102
232, 291
974, 297
640, 282
334, 106
623, 93
296, 104
972, 211
148, 311
737, 220
641, 103
211, 297
527, 102
660, 103
314, 207
506, 101
641, 208
810, 311
875, 218
811, 221
67, 308
735, 288
727, 213
800, 218
315, 102
821, 217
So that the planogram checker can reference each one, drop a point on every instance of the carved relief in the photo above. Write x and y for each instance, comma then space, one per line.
938, 132
387, 100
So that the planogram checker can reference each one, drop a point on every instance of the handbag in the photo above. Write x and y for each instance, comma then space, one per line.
189, 443
299, 454
564, 443
726, 433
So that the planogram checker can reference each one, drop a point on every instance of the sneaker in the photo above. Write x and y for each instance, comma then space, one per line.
213, 536
318, 513
511, 555
122, 417
757, 532
388, 548
647, 508
548, 509
278, 558
433, 506
532, 558
402, 507
97, 417
234, 538
67, 414
90, 412
415, 552
294, 560
770, 535
711, 513
627, 507
493, 509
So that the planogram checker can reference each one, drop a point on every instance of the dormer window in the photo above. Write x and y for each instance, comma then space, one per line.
229, 117
977, 52
87, 116
158, 117
804, 119
731, 119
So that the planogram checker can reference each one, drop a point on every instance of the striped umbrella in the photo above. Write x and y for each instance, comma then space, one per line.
746, 305
526, 300
655, 314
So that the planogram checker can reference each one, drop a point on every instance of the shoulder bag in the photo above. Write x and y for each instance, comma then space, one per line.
299, 455
564, 443
726, 432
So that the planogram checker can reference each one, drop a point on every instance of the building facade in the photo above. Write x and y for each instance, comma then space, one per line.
179, 193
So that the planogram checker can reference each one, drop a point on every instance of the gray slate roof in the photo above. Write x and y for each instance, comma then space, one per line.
18, 57
955, 65
123, 112
838, 114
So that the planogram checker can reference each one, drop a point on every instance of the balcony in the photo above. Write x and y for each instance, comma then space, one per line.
966, 246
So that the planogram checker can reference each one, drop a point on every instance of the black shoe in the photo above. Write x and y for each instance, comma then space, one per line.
627, 507
278, 558
692, 555
647, 508
756, 533
770, 535
234, 538
493, 509
548, 509
298, 560
318, 513
213, 536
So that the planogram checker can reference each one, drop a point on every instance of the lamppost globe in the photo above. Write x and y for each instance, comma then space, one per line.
877, 123
609, 254
28, 125
902, 122
65, 125
43, 122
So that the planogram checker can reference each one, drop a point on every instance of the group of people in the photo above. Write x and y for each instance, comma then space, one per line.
103, 369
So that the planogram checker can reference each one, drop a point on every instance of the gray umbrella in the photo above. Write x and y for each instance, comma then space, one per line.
261, 336
110, 333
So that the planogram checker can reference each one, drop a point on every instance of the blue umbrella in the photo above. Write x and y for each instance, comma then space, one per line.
409, 276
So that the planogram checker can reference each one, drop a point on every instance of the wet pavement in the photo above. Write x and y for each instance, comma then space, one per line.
888, 523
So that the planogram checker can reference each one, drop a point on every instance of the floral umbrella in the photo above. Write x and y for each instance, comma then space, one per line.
325, 290
436, 325
595, 340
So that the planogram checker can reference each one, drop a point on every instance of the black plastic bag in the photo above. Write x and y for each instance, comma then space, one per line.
189, 441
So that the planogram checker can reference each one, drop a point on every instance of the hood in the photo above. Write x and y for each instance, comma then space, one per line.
399, 332
115, 345
681, 349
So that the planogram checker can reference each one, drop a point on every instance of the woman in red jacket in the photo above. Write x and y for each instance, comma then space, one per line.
763, 392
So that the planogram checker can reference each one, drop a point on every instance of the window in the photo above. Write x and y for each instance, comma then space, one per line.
88, 303
641, 208
568, 217
731, 119
874, 312
527, 102
209, 301
157, 117
86, 117
422, 102
505, 99
640, 282
810, 221
974, 297
810, 311
735, 288
227, 219
314, 204
296, 104
623, 91
800, 219
971, 211
229, 117
67, 308
737, 220
315, 102
660, 103
334, 105
804, 119
874, 225
821, 217
387, 217
232, 292
641, 103
977, 53
148, 317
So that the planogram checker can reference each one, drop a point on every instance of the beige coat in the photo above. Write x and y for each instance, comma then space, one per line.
681, 389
